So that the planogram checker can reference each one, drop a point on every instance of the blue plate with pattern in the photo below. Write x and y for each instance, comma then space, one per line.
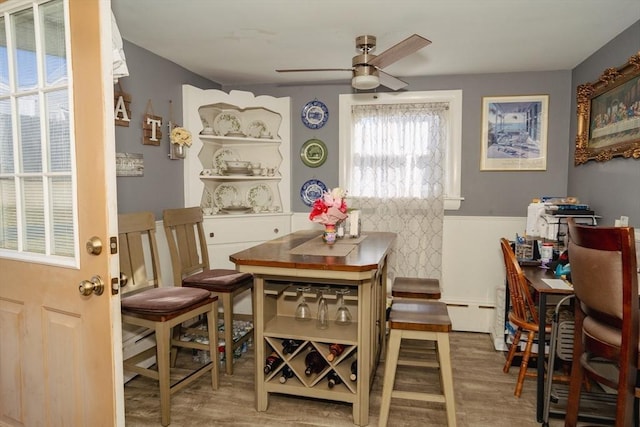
312, 190
315, 114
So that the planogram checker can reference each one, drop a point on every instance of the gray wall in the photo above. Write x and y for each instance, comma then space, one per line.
485, 193
613, 187
155, 78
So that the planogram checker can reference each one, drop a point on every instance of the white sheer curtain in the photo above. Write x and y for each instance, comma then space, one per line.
397, 180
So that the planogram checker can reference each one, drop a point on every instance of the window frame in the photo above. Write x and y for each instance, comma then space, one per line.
42, 89
453, 151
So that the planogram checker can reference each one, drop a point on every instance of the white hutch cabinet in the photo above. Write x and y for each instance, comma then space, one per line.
251, 202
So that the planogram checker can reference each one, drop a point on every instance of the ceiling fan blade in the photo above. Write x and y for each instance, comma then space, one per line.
400, 50
391, 82
295, 70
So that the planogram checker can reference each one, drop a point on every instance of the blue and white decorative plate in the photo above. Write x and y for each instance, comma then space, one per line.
314, 114
312, 190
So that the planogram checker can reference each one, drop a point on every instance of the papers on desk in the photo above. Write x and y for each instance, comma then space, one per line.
557, 284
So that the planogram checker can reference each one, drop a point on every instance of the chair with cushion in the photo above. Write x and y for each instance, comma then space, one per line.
160, 309
190, 261
605, 280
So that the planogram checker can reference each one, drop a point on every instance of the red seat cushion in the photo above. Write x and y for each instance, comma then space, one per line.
163, 300
217, 280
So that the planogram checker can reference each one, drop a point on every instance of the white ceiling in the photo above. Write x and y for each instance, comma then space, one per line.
235, 42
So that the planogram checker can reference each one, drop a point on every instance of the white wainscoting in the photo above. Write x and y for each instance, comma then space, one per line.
472, 272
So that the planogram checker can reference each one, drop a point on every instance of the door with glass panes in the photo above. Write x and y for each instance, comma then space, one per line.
57, 213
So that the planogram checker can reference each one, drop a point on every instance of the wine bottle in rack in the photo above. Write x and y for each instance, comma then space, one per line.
314, 362
272, 362
286, 374
354, 370
290, 345
334, 379
335, 350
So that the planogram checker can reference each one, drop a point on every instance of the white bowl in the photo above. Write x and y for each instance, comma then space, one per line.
237, 164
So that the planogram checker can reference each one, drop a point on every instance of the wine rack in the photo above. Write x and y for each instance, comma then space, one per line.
296, 361
280, 301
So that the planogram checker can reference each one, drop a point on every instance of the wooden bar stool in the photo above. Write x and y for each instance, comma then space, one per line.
419, 320
416, 288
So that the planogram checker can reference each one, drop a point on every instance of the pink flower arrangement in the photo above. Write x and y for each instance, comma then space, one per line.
331, 208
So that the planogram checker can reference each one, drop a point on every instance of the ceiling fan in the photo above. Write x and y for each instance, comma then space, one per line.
367, 68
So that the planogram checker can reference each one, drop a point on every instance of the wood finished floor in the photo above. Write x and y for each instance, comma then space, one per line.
484, 397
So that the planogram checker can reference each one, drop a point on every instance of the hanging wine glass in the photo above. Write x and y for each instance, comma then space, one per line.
343, 315
323, 309
303, 311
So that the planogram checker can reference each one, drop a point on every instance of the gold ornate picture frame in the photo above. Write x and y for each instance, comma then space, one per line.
608, 111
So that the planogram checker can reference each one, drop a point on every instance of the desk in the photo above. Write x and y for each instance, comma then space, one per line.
279, 266
534, 276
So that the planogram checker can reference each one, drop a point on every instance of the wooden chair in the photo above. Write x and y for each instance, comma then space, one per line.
416, 287
523, 315
605, 280
419, 320
190, 260
160, 309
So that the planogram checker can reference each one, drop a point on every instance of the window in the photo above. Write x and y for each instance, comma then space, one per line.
352, 120
37, 175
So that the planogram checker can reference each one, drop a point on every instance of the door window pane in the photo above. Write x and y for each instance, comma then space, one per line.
8, 216
33, 233
29, 138
57, 104
25, 56
4, 60
6, 137
55, 60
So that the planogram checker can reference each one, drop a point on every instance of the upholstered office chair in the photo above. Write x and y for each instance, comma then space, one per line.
160, 309
605, 280
523, 315
190, 260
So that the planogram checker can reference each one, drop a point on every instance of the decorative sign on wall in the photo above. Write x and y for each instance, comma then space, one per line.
122, 101
129, 164
151, 127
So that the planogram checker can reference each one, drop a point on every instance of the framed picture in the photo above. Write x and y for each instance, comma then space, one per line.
609, 115
514, 133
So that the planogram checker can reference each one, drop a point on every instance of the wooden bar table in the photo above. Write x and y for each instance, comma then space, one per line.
282, 267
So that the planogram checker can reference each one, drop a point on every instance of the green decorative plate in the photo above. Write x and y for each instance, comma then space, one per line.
313, 153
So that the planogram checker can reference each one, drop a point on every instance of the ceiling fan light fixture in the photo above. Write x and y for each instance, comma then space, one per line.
365, 82
365, 77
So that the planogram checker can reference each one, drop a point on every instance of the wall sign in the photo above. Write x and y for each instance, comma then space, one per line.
122, 102
151, 127
129, 164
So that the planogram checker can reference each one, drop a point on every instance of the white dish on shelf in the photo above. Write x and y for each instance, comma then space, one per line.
224, 195
222, 155
227, 122
236, 209
240, 172
256, 128
260, 196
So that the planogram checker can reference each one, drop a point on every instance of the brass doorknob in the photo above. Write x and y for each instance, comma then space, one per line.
95, 285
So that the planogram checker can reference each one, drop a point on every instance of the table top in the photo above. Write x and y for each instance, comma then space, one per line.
535, 274
366, 255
